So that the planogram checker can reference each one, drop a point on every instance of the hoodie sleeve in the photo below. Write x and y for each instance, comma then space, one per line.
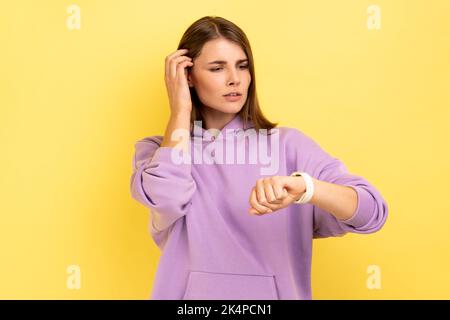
372, 210
161, 184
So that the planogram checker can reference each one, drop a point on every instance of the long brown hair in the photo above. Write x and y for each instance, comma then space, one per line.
210, 28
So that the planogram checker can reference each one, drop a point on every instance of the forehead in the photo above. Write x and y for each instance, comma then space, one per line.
221, 49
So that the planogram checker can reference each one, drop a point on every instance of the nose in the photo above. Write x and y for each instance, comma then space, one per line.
233, 78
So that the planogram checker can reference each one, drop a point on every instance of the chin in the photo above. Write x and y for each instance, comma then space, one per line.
234, 107
228, 108
233, 110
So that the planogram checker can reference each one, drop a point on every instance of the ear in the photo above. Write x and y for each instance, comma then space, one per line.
189, 80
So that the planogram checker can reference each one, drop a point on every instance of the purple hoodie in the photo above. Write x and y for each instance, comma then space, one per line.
211, 247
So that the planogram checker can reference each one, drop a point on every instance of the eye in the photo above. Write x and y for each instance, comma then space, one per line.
217, 69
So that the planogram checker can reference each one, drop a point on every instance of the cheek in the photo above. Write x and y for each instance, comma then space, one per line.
249, 78
209, 84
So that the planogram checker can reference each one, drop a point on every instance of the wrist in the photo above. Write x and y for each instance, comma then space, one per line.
299, 186
175, 116
306, 186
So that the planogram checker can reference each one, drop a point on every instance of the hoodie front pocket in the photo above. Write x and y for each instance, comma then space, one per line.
230, 286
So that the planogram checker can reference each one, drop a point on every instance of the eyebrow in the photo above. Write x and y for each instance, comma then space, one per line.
224, 62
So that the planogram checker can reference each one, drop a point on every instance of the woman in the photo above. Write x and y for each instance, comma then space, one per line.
230, 229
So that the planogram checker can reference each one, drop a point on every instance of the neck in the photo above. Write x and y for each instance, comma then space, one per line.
216, 119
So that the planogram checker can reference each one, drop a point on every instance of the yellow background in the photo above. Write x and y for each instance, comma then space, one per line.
74, 102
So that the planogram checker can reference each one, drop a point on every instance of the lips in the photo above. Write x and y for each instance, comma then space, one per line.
232, 98
232, 94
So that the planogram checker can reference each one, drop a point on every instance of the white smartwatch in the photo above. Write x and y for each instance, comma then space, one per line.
306, 197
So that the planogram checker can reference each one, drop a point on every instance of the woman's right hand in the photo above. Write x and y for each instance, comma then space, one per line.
176, 82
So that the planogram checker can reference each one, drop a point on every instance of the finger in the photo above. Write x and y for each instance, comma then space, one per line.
277, 187
270, 194
260, 209
255, 205
174, 54
181, 71
260, 194
175, 63
280, 188
253, 202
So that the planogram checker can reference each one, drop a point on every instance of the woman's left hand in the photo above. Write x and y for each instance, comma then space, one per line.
274, 193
